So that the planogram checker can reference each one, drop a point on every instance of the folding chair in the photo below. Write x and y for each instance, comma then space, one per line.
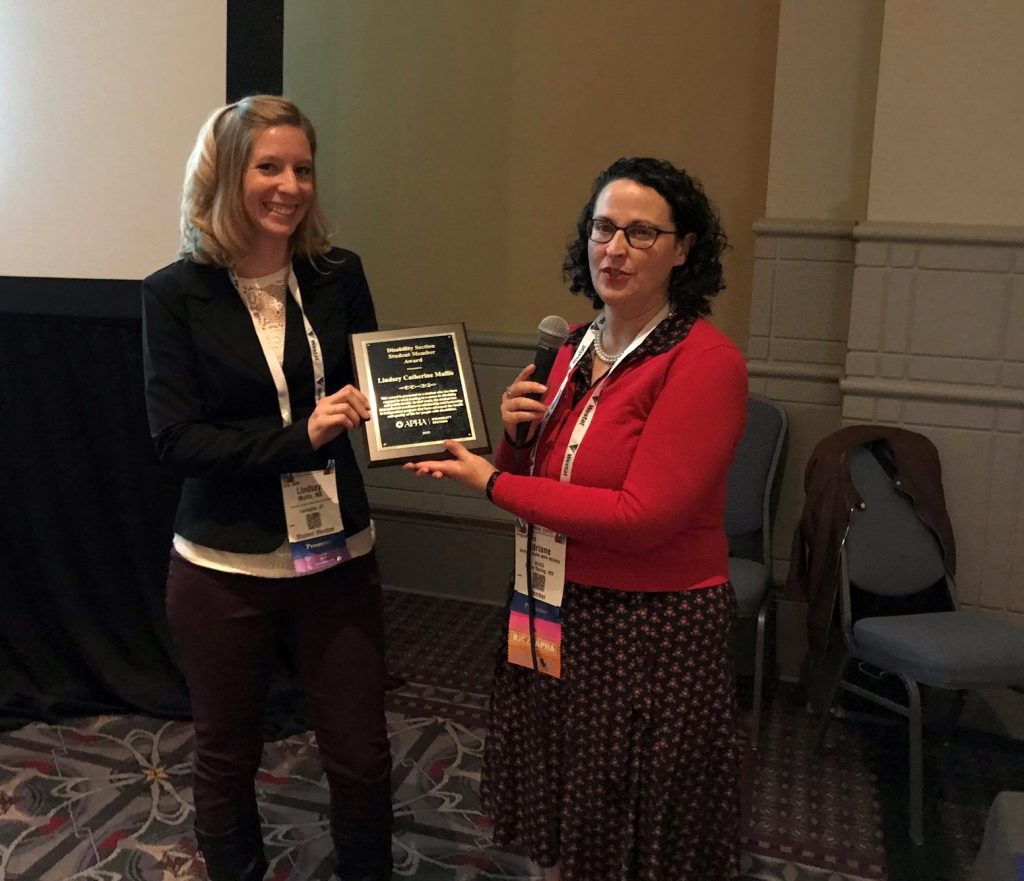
889, 552
748, 524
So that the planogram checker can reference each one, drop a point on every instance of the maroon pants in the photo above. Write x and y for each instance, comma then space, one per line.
225, 629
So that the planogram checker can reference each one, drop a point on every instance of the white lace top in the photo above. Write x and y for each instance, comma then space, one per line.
265, 297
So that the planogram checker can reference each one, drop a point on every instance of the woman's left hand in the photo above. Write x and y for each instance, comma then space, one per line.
467, 468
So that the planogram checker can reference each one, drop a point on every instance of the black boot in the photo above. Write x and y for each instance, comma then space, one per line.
361, 829
236, 855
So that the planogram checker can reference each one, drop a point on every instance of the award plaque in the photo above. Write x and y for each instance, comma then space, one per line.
422, 392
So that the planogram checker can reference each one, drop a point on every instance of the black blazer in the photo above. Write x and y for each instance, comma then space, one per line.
212, 404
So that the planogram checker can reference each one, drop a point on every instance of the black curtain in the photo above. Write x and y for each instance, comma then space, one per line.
87, 513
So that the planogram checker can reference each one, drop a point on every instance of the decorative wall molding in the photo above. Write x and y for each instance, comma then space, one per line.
519, 341
896, 231
907, 389
803, 228
792, 370
941, 233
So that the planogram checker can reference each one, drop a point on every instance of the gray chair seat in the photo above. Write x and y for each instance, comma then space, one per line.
750, 581
953, 650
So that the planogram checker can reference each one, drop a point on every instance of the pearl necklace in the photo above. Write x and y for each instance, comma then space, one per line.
601, 354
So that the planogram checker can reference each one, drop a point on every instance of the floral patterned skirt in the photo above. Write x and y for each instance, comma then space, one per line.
628, 766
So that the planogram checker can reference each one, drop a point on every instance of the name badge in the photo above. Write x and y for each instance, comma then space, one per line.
316, 533
548, 583
548, 558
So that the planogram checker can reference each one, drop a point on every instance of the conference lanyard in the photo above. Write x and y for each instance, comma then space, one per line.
316, 533
535, 629
586, 418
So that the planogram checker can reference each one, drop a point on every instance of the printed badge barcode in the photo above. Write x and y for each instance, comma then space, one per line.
539, 578
313, 520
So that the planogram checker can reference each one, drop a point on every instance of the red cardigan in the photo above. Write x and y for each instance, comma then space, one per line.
645, 506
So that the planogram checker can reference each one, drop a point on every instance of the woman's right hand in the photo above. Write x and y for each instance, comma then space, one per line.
346, 409
517, 408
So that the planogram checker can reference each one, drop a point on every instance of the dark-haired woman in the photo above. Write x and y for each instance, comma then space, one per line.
612, 751
250, 394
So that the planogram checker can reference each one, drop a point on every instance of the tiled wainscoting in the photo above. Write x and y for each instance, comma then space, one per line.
937, 345
799, 317
915, 325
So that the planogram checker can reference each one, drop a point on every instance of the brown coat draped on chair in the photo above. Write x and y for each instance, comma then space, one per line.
829, 499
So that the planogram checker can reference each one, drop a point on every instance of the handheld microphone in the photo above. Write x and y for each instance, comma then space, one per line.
551, 333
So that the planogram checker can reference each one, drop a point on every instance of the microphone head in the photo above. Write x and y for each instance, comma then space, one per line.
552, 331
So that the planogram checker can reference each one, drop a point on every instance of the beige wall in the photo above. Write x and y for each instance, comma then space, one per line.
949, 126
824, 109
460, 138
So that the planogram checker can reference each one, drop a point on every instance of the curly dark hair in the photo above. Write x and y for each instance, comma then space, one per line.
692, 285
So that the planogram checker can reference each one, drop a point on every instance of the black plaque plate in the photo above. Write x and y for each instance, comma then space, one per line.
422, 392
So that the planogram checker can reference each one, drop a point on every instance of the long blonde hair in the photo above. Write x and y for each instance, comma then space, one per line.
214, 225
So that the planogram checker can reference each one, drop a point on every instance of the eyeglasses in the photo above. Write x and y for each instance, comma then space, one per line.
638, 235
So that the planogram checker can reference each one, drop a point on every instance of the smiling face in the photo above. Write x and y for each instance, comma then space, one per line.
277, 187
629, 280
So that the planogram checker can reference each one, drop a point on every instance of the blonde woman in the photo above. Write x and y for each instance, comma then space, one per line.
250, 394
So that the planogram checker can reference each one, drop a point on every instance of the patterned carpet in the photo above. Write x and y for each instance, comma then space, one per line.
821, 811
962, 777
108, 798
